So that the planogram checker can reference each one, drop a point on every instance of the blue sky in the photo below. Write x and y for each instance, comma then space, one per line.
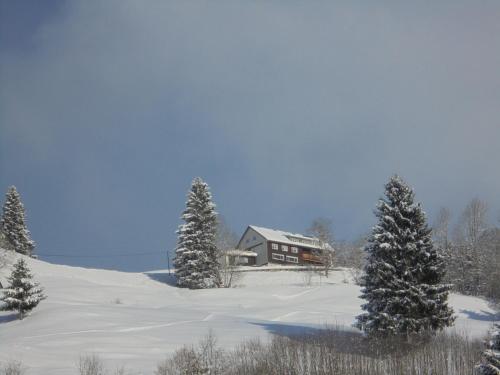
289, 110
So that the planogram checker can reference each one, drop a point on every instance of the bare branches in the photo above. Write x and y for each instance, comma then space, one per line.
321, 228
472, 222
441, 228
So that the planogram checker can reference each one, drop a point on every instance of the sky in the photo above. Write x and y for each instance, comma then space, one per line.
289, 110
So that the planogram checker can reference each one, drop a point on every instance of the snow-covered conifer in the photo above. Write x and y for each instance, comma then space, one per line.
196, 260
13, 224
403, 275
491, 365
22, 294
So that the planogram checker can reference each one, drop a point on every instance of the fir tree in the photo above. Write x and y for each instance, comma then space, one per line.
403, 275
196, 260
491, 365
22, 294
13, 223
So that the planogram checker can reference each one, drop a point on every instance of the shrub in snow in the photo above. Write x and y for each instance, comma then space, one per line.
491, 365
403, 274
196, 260
13, 223
90, 365
22, 294
206, 359
13, 368
329, 352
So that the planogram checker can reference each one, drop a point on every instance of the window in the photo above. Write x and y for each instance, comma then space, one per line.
278, 256
292, 259
294, 250
254, 238
274, 246
284, 248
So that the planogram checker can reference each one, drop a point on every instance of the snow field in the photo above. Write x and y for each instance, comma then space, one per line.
135, 319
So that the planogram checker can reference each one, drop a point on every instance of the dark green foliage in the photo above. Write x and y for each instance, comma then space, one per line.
196, 254
491, 364
22, 294
13, 224
403, 274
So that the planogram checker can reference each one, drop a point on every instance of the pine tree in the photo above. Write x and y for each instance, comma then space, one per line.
403, 275
196, 260
13, 223
22, 294
491, 365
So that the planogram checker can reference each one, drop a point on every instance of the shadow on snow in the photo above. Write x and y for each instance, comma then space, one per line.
162, 277
7, 318
484, 316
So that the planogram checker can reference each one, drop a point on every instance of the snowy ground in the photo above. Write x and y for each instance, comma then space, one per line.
134, 319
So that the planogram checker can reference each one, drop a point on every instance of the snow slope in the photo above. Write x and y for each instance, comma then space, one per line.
134, 319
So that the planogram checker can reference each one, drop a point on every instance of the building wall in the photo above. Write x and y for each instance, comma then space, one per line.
253, 241
284, 251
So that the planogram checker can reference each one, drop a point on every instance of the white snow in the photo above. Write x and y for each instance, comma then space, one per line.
135, 319
289, 238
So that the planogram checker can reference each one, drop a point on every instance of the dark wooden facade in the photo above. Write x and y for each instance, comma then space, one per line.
304, 255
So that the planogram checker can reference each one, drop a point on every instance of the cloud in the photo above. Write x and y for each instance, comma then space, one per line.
305, 109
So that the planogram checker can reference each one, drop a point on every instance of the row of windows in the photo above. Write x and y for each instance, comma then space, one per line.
282, 257
277, 256
284, 248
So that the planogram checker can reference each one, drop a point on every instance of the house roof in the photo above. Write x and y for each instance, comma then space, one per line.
289, 238
241, 253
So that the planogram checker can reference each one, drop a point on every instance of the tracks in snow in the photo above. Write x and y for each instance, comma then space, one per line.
123, 330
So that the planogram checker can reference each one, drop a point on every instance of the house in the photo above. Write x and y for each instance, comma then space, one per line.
276, 246
236, 257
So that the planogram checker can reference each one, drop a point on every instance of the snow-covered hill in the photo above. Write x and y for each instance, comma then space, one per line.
136, 318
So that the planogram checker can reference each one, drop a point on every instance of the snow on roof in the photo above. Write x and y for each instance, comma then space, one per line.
239, 253
289, 238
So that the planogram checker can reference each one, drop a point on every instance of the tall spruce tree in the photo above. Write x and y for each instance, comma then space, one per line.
22, 294
403, 275
196, 260
13, 223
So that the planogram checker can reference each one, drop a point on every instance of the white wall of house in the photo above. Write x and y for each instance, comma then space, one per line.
253, 241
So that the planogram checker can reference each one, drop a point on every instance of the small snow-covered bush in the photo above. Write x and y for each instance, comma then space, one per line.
207, 359
356, 275
13, 368
185, 361
90, 364
120, 371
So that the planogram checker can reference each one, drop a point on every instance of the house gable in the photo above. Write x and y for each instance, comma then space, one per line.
253, 241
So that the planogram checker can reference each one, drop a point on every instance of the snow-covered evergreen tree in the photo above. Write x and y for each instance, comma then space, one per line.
22, 294
404, 272
13, 224
196, 260
491, 365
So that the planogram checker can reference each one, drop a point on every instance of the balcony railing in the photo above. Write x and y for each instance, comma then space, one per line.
311, 258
